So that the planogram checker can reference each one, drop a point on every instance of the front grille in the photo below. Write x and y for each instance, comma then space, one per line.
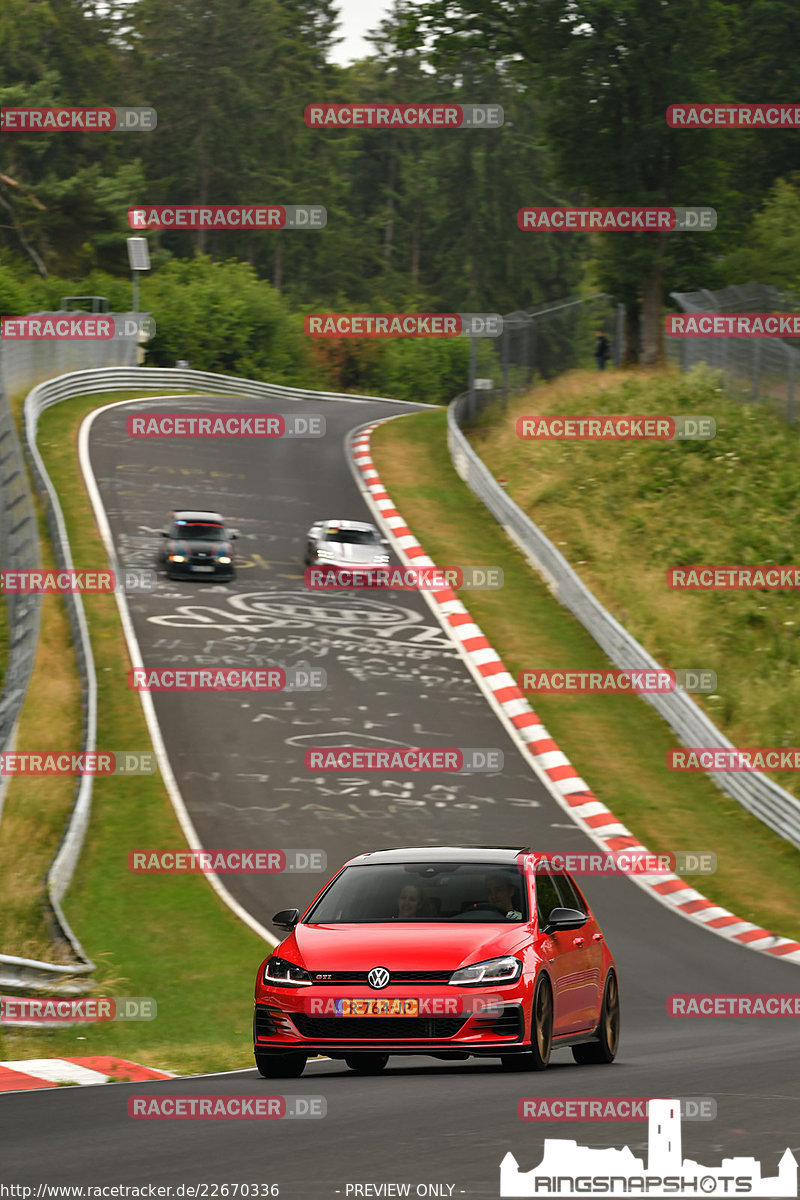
381, 1029
335, 978
508, 1023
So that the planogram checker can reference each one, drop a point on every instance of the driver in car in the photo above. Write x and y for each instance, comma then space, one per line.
500, 893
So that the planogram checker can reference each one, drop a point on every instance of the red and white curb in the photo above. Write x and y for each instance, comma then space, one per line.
31, 1073
552, 766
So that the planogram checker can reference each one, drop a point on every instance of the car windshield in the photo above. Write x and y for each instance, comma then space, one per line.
354, 537
420, 892
204, 531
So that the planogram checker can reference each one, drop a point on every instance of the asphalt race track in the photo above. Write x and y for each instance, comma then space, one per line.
393, 679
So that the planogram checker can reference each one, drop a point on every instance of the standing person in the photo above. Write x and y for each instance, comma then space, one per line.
602, 350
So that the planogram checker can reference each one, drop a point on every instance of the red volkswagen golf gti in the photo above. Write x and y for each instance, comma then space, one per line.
446, 951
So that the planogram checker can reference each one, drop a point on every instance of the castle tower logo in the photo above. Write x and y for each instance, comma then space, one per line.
568, 1169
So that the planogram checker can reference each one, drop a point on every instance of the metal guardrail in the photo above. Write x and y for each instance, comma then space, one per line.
756, 370
27, 974
757, 793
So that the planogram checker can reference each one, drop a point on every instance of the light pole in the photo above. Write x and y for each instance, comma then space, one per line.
139, 260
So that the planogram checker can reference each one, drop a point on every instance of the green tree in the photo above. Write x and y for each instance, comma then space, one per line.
604, 73
770, 250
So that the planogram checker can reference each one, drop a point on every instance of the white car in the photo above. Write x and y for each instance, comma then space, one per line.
352, 544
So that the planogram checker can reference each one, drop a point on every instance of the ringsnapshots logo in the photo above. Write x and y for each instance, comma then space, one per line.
228, 216
617, 219
81, 118
82, 762
410, 759
227, 679
629, 861
225, 425
330, 577
403, 116
226, 1108
72, 579
226, 862
618, 680
605, 428
60, 1010
608, 1108
416, 325
568, 1169
55, 327
736, 325
734, 116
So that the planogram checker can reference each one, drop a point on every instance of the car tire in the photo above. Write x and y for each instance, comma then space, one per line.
538, 1056
281, 1066
366, 1064
604, 1050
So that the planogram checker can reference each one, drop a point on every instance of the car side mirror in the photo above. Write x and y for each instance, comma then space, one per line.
384, 541
287, 918
564, 918
233, 534
164, 533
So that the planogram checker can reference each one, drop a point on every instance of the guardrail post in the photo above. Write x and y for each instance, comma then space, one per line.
756, 370
473, 358
504, 351
792, 356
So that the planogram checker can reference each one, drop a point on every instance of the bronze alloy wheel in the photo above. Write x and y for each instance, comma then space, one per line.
604, 1048
610, 1016
537, 1058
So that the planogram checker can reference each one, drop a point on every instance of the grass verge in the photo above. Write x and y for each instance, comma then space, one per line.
617, 743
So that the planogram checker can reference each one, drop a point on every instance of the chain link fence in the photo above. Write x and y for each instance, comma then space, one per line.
756, 370
540, 344
19, 550
25, 363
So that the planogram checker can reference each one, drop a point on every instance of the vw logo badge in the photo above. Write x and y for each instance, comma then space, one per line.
378, 977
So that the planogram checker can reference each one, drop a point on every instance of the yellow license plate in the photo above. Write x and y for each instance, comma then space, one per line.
377, 1007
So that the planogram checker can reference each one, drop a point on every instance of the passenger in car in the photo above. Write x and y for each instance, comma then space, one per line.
409, 902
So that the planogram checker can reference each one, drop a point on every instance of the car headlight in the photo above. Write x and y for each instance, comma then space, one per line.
224, 558
494, 970
177, 558
281, 973
381, 558
325, 553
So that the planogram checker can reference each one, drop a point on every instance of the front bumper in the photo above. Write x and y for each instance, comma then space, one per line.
205, 569
284, 1023
356, 568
